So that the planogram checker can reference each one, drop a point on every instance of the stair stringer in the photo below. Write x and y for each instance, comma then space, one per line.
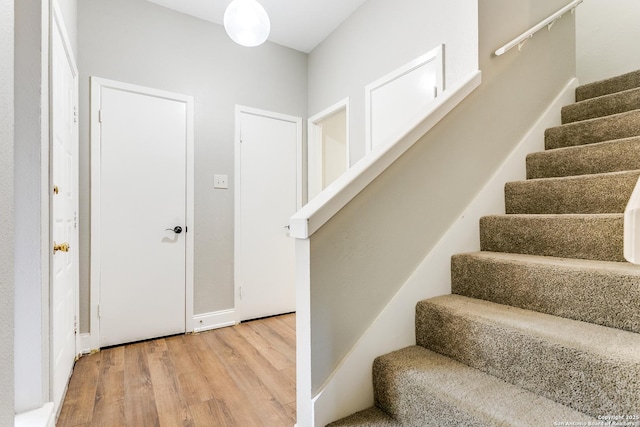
350, 387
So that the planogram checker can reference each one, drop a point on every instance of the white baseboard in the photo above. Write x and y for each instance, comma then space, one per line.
350, 389
41, 417
85, 343
214, 320
201, 322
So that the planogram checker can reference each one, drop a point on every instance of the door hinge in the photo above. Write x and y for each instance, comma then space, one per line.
99, 312
100, 116
75, 114
240, 292
75, 325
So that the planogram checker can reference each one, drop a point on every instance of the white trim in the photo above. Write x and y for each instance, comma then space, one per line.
41, 417
349, 388
240, 109
85, 343
436, 54
632, 227
314, 143
97, 84
214, 320
333, 198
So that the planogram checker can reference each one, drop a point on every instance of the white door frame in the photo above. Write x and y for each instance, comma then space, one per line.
58, 26
240, 109
314, 142
95, 141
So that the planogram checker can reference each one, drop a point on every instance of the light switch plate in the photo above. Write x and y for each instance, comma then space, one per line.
220, 181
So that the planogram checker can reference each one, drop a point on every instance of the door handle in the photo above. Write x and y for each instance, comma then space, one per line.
62, 247
177, 229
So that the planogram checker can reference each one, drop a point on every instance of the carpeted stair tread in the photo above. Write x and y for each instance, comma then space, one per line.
601, 292
605, 105
421, 388
590, 236
591, 368
611, 85
372, 417
601, 157
617, 126
583, 194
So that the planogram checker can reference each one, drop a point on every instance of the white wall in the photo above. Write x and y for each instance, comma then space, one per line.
7, 214
138, 42
607, 38
31, 204
378, 38
366, 252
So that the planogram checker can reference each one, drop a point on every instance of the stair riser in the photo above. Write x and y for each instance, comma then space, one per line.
603, 106
597, 238
615, 84
587, 294
570, 376
595, 158
592, 194
619, 126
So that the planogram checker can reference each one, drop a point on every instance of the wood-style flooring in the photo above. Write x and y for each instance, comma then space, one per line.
237, 376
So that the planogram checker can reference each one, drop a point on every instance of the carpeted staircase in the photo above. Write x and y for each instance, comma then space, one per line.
543, 326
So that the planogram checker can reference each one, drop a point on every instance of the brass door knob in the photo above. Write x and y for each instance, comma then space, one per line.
62, 247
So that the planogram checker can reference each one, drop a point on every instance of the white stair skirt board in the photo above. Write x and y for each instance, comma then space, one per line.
350, 388
41, 417
214, 320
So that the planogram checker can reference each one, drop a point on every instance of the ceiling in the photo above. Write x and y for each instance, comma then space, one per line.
298, 24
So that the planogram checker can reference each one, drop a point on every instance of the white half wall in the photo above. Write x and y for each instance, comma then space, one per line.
607, 38
350, 389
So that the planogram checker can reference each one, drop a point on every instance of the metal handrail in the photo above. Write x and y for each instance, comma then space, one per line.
522, 38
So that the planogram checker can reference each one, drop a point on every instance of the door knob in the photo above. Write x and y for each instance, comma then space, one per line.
62, 247
177, 229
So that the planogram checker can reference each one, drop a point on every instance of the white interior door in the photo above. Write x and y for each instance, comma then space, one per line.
64, 231
268, 172
142, 212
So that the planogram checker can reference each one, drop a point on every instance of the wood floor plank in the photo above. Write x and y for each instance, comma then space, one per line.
171, 407
80, 398
245, 374
275, 357
241, 376
139, 402
109, 401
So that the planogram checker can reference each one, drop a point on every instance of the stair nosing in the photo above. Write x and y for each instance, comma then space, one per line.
586, 176
563, 333
621, 267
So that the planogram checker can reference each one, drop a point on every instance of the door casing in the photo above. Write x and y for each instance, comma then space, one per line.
95, 139
315, 142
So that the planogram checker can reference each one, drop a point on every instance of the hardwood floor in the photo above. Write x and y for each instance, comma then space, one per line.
238, 376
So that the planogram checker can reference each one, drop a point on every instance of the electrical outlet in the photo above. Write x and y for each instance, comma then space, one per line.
220, 181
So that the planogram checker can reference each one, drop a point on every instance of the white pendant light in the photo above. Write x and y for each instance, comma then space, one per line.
246, 22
